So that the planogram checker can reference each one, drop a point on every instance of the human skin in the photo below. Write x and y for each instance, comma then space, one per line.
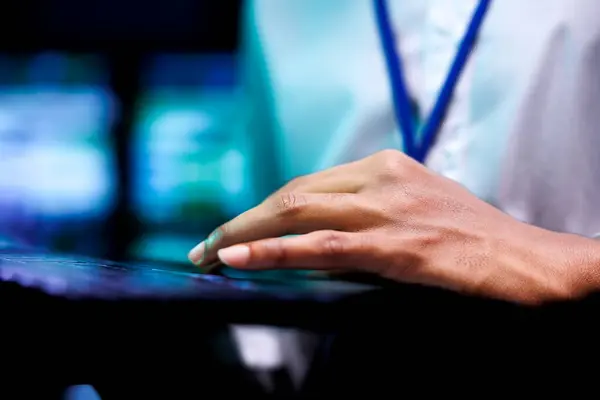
389, 215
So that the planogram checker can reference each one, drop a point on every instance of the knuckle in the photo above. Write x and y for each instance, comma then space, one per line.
277, 251
390, 156
289, 204
333, 244
391, 163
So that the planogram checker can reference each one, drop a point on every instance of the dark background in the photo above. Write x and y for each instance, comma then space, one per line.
118, 27
123, 33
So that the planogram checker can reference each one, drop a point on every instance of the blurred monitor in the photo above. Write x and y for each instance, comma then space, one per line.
185, 167
56, 162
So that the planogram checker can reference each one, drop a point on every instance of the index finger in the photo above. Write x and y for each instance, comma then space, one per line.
284, 214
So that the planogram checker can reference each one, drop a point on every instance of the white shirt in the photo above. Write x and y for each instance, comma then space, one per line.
522, 133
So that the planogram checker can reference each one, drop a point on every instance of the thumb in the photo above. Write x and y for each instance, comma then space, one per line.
316, 250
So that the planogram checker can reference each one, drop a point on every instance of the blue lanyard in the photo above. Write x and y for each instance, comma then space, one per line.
402, 105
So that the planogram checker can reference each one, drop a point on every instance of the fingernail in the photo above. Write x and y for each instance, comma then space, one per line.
196, 255
234, 256
213, 239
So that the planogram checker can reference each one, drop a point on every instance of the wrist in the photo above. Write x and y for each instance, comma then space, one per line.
537, 266
568, 265
580, 259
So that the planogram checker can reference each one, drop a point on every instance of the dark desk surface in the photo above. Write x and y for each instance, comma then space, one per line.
154, 320
103, 320
77, 287
80, 288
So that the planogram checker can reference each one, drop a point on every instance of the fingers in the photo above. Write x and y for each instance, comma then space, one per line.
333, 253
325, 200
322, 250
346, 178
281, 215
347, 255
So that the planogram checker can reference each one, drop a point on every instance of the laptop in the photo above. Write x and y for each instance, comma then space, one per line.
74, 277
64, 193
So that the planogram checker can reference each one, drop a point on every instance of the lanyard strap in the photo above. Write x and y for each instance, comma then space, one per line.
402, 105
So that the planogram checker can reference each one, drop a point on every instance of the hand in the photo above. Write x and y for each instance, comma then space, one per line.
389, 215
